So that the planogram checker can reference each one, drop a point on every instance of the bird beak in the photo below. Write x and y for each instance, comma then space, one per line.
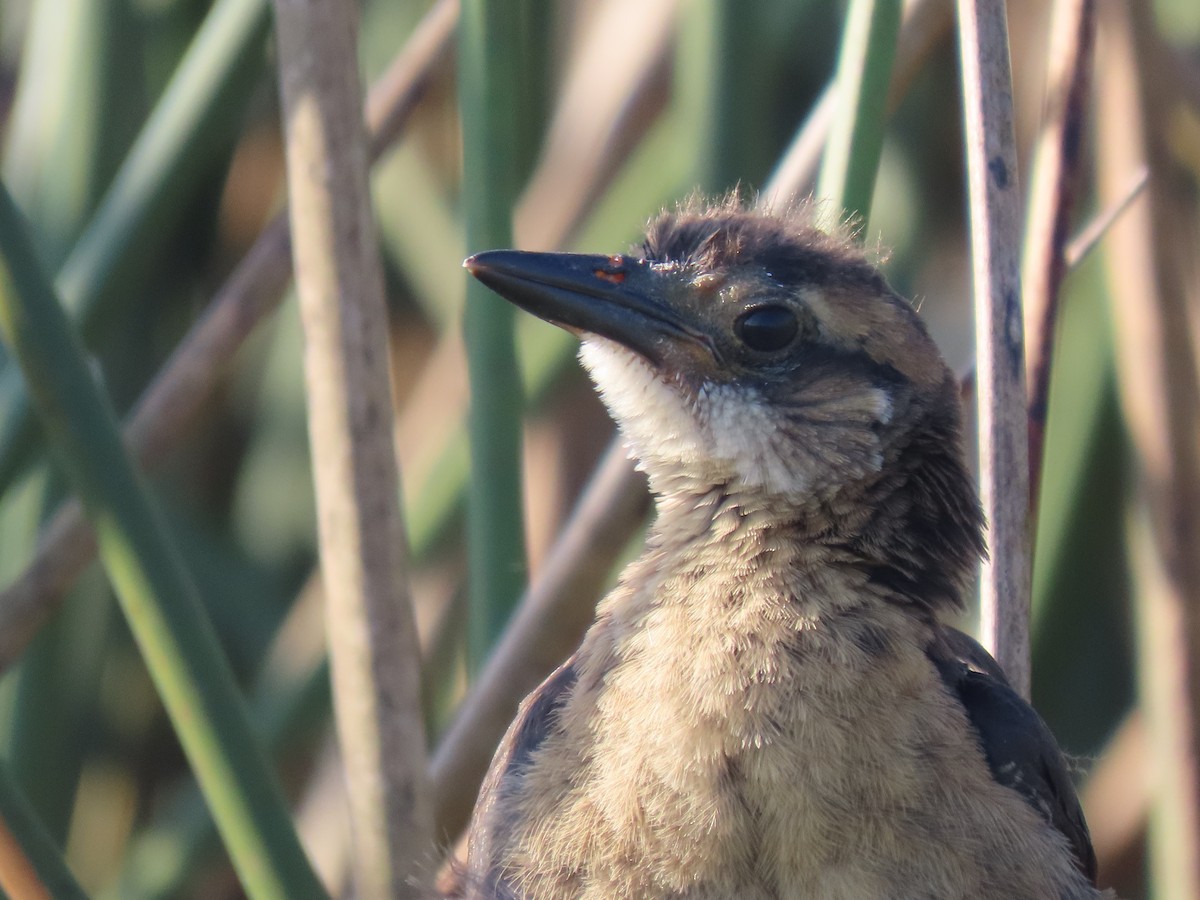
617, 297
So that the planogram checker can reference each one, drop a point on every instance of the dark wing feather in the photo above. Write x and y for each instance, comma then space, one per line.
535, 720
1020, 750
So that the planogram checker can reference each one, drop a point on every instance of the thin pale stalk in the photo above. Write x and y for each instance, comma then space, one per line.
1151, 271
995, 209
339, 280
490, 78
160, 602
1083, 243
1089, 236
1056, 164
851, 157
162, 415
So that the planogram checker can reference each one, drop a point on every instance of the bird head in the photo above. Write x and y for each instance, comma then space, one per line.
744, 349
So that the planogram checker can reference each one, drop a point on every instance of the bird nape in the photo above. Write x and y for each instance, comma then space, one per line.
767, 705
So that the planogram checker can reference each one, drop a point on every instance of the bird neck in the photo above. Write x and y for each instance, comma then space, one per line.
914, 531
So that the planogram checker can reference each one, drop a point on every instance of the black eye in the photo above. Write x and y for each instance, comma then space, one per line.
767, 328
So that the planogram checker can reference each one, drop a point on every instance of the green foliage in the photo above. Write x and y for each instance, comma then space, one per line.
143, 198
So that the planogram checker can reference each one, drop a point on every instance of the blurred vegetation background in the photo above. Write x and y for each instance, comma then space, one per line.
619, 108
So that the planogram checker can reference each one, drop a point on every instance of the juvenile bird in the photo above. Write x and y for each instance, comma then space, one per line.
767, 705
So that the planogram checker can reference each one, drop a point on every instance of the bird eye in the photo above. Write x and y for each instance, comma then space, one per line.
767, 328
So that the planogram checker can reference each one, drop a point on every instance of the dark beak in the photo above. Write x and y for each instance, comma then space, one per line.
617, 297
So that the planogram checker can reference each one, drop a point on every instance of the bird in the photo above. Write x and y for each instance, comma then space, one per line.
769, 704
